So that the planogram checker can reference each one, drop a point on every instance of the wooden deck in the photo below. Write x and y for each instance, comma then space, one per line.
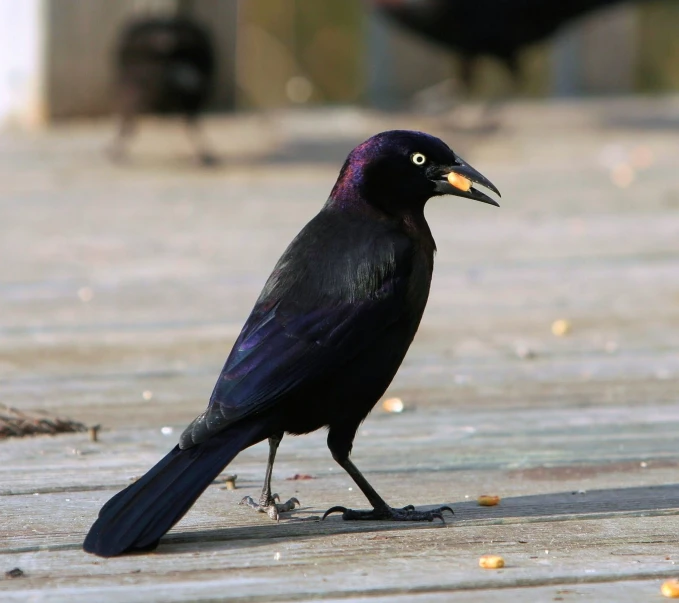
122, 289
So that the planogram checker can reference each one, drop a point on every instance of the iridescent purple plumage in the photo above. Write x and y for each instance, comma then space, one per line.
324, 340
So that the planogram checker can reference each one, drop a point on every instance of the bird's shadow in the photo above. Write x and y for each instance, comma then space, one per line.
562, 506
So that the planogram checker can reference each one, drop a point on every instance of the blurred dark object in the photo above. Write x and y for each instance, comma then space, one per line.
165, 65
495, 28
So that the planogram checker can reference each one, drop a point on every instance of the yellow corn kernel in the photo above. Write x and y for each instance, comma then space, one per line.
459, 181
561, 327
670, 588
488, 500
491, 562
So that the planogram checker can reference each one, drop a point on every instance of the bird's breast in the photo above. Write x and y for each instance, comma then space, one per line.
419, 282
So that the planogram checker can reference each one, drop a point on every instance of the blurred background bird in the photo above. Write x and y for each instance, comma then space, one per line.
165, 65
501, 29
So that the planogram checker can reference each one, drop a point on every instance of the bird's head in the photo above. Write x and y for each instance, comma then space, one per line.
399, 171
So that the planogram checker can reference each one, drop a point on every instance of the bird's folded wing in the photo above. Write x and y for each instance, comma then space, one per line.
283, 346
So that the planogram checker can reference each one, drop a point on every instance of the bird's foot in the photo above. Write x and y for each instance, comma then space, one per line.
390, 514
270, 505
207, 159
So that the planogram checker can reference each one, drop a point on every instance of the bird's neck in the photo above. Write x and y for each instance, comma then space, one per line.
347, 191
416, 227
350, 194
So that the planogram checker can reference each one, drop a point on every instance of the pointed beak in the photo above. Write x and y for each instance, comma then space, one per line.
459, 180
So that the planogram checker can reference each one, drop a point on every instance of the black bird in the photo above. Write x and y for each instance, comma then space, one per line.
164, 65
323, 342
495, 28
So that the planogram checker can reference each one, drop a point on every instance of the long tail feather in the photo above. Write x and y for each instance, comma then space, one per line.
135, 519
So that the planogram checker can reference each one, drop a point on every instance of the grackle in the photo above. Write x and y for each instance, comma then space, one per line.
323, 342
164, 65
496, 28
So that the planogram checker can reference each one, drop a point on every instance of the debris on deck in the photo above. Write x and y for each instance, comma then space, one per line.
15, 423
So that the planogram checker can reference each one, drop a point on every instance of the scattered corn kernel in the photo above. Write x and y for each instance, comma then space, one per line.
85, 294
488, 500
561, 327
393, 405
642, 157
670, 588
622, 175
491, 562
459, 181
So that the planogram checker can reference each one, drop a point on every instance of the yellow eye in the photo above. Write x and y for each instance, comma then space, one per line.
418, 159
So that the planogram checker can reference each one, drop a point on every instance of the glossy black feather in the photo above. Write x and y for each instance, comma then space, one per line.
324, 340
340, 284
165, 65
498, 28
135, 519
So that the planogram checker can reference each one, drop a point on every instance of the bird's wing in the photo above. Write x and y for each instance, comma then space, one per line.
283, 346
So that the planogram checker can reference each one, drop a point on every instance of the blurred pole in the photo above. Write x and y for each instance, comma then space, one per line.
379, 66
399, 64
596, 55
221, 17
566, 62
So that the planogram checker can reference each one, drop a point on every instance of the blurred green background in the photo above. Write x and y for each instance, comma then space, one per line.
56, 56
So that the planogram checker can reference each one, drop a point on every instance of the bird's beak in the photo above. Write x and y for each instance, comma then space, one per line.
459, 180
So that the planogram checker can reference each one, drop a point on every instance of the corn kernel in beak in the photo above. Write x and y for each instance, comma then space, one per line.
459, 181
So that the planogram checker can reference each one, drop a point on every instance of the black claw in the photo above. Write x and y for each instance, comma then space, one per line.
342, 510
438, 514
407, 513
208, 159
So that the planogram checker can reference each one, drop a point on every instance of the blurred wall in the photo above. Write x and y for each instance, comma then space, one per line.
597, 54
80, 38
326, 51
57, 56
300, 51
658, 58
221, 17
21, 63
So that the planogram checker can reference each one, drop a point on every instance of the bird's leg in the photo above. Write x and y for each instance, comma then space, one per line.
492, 114
467, 65
268, 502
117, 149
514, 68
381, 510
205, 155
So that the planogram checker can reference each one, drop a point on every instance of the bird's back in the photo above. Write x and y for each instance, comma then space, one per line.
330, 328
166, 64
350, 259
498, 28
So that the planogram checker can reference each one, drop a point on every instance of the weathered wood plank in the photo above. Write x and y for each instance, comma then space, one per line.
581, 448
373, 562
126, 287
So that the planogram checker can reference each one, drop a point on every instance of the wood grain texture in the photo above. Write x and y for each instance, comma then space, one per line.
122, 289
